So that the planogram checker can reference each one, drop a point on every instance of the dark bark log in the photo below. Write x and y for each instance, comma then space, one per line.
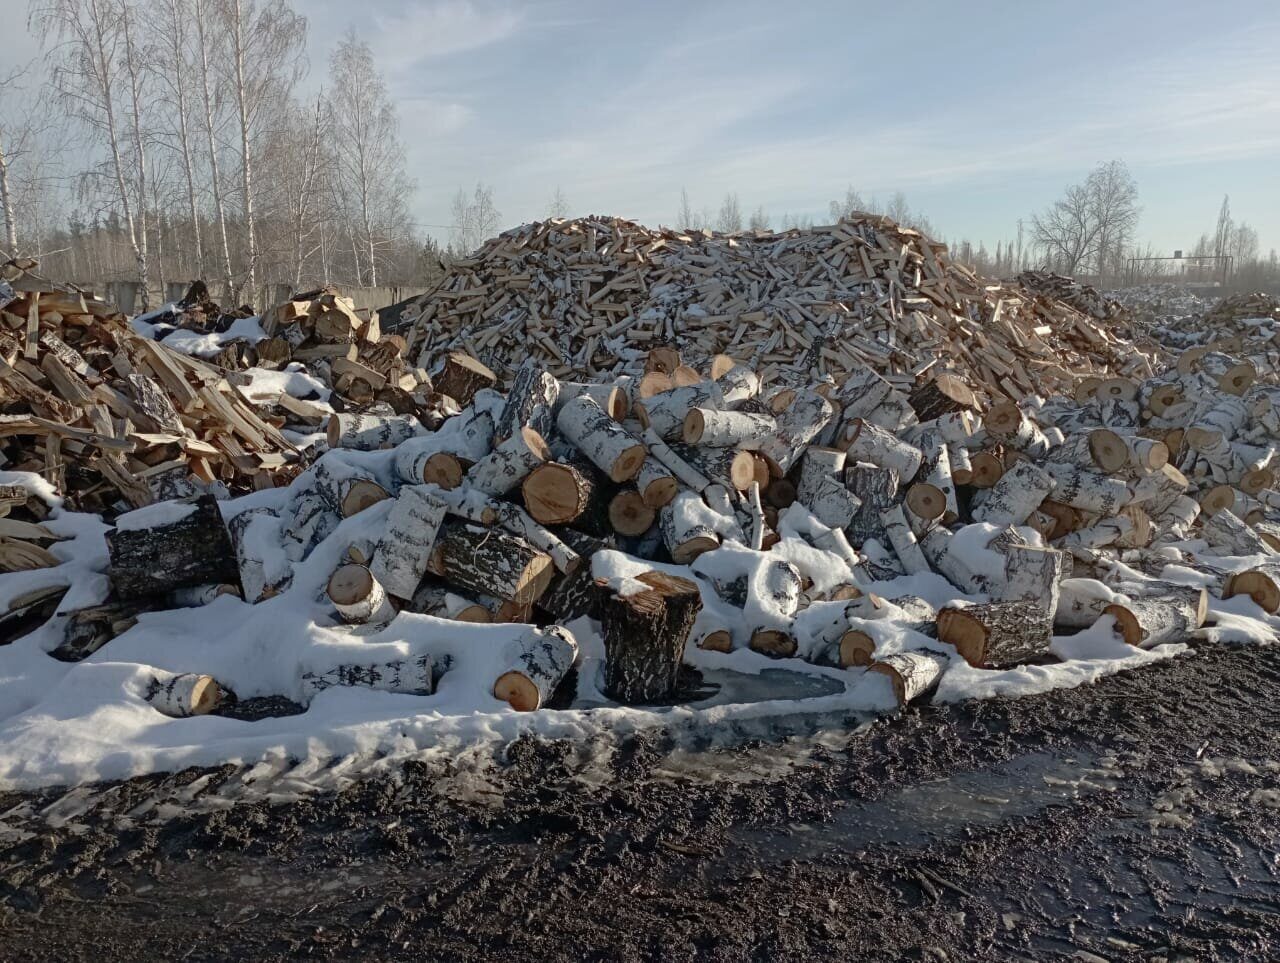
462, 376
878, 490
531, 402
644, 636
998, 633
941, 395
193, 550
572, 596
490, 562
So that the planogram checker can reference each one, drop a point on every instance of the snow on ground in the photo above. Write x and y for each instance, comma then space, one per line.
72, 722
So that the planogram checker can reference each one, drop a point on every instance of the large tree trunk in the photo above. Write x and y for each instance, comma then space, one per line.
645, 630
188, 545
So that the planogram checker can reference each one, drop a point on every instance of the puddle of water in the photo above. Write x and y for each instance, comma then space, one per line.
920, 814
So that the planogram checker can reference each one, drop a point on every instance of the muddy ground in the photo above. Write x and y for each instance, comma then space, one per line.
1136, 819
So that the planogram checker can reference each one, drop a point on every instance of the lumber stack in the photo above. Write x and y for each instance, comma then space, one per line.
112, 419
589, 298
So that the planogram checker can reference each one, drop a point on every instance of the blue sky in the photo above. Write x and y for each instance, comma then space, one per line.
979, 111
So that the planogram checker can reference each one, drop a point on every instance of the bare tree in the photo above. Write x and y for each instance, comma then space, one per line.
851, 203
558, 205
729, 218
15, 136
1090, 226
686, 218
210, 102
266, 41
759, 220
370, 158
86, 74
172, 22
475, 219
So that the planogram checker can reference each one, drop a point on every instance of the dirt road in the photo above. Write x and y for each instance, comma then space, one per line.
1136, 819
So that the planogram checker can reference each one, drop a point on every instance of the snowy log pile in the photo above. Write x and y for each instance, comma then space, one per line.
112, 419
588, 298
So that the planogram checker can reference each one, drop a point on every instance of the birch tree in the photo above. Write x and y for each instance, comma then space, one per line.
204, 38
173, 18
729, 219
475, 219
370, 157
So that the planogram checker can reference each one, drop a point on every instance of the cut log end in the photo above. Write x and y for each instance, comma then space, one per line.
718, 641
686, 552
629, 514
987, 469
627, 465
350, 584
1108, 449
443, 469
1126, 624
773, 642
856, 649
517, 691
966, 633
660, 491
1258, 585
926, 501
362, 495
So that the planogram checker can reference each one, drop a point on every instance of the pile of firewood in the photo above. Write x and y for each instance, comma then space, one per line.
1083, 297
1255, 306
589, 298
112, 419
792, 509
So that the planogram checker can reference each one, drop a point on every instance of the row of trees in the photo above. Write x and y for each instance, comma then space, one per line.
197, 155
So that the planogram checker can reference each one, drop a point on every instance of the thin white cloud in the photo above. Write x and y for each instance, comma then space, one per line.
426, 31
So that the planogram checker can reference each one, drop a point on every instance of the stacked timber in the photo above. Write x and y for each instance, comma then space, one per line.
589, 298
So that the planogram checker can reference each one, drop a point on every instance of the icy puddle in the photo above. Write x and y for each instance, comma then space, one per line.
923, 813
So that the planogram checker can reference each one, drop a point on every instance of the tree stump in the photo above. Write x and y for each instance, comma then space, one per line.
646, 622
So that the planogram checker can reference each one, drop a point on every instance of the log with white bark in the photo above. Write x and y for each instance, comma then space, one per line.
1113, 451
264, 567
883, 449
532, 665
186, 544
510, 463
436, 600
679, 468
400, 559
727, 429
477, 507
490, 562
1087, 490
358, 596
461, 376
934, 495
612, 449
737, 382
859, 641
438, 458
819, 490
1031, 573
645, 622
863, 392
1016, 495
1081, 602
1008, 423
942, 552
835, 541
179, 695
961, 463
1118, 413
911, 674
413, 675
666, 412
656, 482
1227, 534
806, 417
688, 528
367, 432
730, 467
773, 596
903, 540
877, 490
1174, 523
987, 468
719, 500
940, 395
997, 634
1171, 617
195, 596
1229, 375
758, 523
531, 401
349, 489
1159, 489
309, 520
1100, 534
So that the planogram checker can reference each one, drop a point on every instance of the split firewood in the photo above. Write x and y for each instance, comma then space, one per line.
646, 622
535, 663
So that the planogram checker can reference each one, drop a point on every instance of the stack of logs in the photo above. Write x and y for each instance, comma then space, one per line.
588, 298
114, 420
1043, 516
1085, 298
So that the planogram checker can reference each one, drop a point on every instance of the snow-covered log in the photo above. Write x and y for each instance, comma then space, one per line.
168, 546
366, 432
409, 676
1081, 602
688, 528
1260, 584
533, 665
349, 489
490, 562
903, 540
773, 596
1170, 617
264, 567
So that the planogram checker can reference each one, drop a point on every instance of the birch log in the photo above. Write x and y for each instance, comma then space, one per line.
349, 489
679, 468
656, 483
730, 467
461, 376
903, 541
531, 399
601, 439
1081, 602
490, 562
408, 676
400, 559
532, 665
1015, 496
179, 695
1087, 490
798, 425
1227, 534
911, 674
628, 513
614, 399
510, 463
358, 596
1172, 617
998, 633
877, 490
727, 429
360, 432
1007, 422
1262, 585
879, 447
687, 529
773, 596
666, 412
265, 570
